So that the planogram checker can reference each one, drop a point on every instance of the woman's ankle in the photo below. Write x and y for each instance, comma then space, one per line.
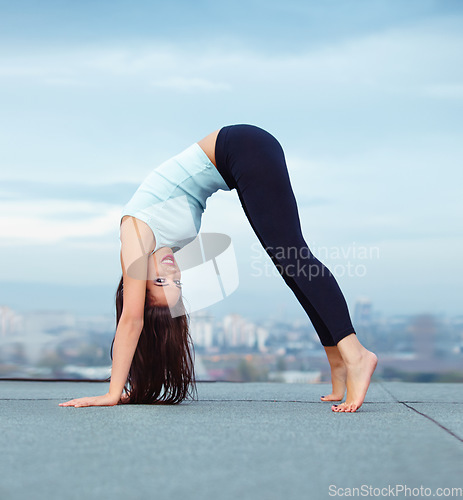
351, 350
334, 357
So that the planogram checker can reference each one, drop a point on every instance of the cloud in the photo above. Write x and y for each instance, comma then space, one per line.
444, 91
403, 59
191, 85
52, 221
113, 193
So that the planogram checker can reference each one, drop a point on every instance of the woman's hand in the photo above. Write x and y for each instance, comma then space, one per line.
105, 400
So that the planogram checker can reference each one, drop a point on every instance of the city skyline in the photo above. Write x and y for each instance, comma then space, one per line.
233, 347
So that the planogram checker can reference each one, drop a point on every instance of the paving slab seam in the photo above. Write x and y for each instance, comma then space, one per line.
404, 403
424, 401
279, 401
31, 399
432, 420
220, 400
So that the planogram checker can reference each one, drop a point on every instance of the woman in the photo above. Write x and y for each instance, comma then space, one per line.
152, 345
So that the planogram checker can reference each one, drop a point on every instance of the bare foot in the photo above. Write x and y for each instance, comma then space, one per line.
358, 380
338, 381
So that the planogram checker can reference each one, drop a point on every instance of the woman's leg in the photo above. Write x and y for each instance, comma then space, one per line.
256, 162
338, 374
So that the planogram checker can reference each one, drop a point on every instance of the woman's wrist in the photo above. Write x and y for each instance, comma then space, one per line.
114, 396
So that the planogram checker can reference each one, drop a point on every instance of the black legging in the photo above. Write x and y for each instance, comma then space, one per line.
252, 161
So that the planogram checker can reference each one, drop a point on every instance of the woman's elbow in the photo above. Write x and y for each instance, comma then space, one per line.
131, 323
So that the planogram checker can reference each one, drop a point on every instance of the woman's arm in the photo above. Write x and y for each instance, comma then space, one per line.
137, 242
126, 340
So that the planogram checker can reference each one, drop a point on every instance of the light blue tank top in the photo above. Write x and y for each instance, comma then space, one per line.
172, 198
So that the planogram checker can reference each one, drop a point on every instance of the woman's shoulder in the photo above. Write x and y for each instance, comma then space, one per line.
136, 236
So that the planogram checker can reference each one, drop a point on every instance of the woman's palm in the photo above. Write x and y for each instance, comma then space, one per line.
105, 400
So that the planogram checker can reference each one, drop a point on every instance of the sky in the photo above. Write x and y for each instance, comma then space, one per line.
365, 97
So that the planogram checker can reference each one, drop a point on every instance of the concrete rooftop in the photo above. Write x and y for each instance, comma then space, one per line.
238, 441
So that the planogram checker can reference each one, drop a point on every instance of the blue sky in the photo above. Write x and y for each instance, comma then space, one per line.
365, 98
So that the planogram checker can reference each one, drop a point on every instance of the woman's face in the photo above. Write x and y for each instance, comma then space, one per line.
163, 286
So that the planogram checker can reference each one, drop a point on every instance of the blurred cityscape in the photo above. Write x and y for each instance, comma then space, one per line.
60, 345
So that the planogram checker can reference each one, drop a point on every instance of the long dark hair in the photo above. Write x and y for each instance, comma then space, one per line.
162, 368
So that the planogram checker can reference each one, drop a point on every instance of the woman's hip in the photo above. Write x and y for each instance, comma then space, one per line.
247, 153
